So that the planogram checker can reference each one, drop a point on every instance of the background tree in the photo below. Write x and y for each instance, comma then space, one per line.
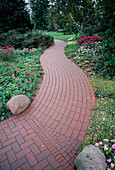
75, 13
14, 15
39, 13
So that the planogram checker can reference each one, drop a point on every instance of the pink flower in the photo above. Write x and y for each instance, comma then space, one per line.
114, 157
97, 144
108, 169
106, 140
27, 74
112, 165
11, 66
113, 146
108, 160
101, 143
106, 147
112, 140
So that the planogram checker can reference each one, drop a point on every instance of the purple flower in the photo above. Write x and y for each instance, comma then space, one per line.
108, 160
108, 169
101, 143
112, 165
106, 147
97, 144
106, 140
112, 140
113, 146
114, 157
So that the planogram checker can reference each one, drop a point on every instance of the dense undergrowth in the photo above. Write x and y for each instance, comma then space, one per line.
21, 74
100, 71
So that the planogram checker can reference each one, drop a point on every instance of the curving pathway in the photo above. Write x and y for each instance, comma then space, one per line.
46, 135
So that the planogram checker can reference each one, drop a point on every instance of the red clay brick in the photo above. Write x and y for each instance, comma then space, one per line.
7, 131
11, 156
53, 162
16, 147
63, 130
6, 149
3, 137
22, 153
18, 163
16, 128
20, 139
34, 149
43, 155
5, 165
13, 134
2, 157
37, 141
32, 160
8, 142
41, 165
69, 132
26, 144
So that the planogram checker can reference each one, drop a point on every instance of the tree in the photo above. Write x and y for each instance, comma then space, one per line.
39, 13
14, 15
78, 12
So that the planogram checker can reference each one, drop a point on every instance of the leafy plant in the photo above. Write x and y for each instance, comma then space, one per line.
20, 76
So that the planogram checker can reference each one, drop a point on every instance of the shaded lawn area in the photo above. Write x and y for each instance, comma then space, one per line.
60, 36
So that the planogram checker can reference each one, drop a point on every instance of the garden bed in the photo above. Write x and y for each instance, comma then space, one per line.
21, 74
101, 128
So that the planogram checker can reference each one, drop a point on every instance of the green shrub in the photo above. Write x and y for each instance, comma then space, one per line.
105, 59
31, 39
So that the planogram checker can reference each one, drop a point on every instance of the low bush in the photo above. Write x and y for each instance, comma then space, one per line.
31, 39
19, 76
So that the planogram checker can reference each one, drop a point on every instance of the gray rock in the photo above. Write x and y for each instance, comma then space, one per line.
18, 104
91, 158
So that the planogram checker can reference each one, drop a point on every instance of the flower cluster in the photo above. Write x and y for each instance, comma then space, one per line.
108, 146
7, 52
88, 40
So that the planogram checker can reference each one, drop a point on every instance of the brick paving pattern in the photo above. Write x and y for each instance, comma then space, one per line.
46, 135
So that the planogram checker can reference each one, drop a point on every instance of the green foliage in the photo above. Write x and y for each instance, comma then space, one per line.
14, 16
31, 39
39, 13
105, 59
20, 76
71, 50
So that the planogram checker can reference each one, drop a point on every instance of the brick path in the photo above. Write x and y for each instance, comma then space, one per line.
46, 135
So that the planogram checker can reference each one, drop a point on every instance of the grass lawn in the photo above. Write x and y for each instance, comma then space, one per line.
60, 36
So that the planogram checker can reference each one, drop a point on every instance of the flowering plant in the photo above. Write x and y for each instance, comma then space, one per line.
89, 40
108, 146
7, 52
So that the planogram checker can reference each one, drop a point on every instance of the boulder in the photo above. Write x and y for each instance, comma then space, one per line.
90, 158
18, 104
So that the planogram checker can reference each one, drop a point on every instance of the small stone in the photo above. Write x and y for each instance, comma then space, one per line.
91, 158
18, 104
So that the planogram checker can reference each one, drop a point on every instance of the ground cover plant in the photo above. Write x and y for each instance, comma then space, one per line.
21, 74
101, 129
